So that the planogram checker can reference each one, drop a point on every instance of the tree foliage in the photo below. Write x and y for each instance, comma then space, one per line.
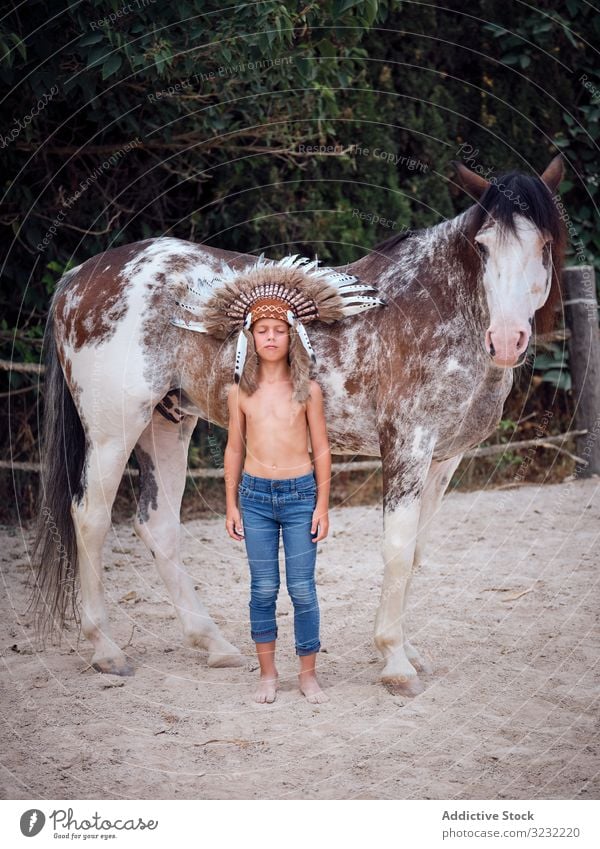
124, 120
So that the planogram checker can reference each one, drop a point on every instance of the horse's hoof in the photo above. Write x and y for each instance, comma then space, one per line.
114, 667
220, 651
421, 665
416, 659
219, 659
403, 685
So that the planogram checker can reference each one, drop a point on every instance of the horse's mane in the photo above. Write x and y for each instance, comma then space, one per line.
519, 194
388, 245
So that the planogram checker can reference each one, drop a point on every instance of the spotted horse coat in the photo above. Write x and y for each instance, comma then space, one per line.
415, 383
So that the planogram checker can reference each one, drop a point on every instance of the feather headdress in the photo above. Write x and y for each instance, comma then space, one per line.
294, 290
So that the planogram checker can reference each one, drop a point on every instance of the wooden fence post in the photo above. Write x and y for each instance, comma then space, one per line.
581, 316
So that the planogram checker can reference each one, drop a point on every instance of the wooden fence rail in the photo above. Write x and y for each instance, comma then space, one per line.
25, 368
554, 442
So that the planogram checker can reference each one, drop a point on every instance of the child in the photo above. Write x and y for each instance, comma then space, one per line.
278, 491
273, 407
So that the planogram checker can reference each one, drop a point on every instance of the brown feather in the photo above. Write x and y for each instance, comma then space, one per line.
312, 299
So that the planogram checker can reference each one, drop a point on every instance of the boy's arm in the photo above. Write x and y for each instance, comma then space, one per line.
315, 414
235, 449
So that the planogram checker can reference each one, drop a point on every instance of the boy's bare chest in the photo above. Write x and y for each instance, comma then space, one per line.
274, 412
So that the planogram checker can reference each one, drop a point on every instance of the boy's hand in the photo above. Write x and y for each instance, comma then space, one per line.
233, 524
320, 520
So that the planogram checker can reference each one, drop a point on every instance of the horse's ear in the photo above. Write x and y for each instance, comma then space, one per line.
554, 173
472, 183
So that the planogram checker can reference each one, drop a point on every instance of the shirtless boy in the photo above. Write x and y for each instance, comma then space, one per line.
267, 464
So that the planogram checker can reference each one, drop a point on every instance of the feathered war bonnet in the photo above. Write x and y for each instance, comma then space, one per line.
294, 290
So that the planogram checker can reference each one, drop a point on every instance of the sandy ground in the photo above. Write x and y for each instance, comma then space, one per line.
505, 608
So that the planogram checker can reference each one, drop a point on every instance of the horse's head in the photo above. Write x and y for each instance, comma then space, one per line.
519, 237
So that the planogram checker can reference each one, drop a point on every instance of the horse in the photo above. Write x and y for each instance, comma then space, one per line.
415, 383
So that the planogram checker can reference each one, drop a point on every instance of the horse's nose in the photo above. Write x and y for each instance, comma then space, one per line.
505, 346
522, 341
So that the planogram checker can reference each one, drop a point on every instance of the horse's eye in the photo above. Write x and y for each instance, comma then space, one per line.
483, 251
546, 252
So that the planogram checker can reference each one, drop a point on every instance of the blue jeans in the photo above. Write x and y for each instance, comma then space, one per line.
268, 506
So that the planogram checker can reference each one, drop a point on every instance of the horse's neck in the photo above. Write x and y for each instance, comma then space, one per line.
439, 259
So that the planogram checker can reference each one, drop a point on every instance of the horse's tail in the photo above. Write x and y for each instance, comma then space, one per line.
62, 459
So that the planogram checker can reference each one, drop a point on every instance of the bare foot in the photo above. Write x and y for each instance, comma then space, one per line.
266, 692
309, 687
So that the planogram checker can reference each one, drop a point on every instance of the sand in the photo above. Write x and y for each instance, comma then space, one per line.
505, 608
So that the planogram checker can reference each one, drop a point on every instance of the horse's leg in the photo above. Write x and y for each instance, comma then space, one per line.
91, 514
400, 524
162, 455
440, 475
404, 476
438, 478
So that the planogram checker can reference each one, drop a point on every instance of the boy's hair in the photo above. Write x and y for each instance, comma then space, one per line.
298, 360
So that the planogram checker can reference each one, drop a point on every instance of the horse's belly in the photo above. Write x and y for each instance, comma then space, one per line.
344, 443
353, 434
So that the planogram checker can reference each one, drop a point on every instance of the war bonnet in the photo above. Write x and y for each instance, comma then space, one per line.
293, 289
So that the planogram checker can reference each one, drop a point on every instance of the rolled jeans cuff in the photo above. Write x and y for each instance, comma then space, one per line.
264, 636
302, 652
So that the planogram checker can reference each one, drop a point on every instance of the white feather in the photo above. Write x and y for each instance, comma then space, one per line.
353, 309
206, 285
357, 287
300, 329
196, 326
189, 307
240, 353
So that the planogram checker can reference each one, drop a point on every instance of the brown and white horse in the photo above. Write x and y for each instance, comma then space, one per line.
415, 383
